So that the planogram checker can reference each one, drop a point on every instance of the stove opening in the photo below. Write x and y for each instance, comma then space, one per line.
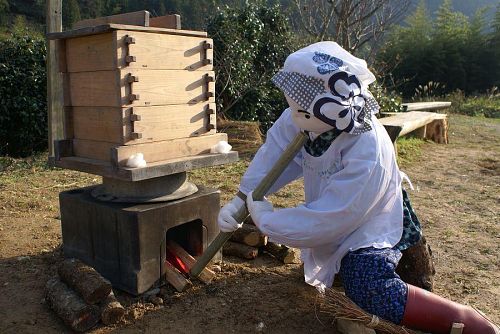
189, 236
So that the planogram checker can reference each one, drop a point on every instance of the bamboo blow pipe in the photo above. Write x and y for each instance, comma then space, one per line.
258, 194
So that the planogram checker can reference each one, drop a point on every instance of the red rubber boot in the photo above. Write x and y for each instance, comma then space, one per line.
428, 312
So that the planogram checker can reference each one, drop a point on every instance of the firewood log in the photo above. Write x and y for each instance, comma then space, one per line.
206, 275
240, 250
249, 235
112, 311
283, 253
85, 280
175, 278
75, 313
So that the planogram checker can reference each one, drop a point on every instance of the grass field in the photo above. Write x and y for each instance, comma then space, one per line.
457, 198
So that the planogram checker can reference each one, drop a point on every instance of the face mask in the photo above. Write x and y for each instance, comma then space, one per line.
305, 120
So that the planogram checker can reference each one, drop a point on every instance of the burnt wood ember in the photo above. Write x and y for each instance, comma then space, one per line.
85, 280
249, 235
75, 313
206, 275
112, 312
240, 250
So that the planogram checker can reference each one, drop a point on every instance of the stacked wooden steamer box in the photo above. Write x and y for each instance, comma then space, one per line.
132, 89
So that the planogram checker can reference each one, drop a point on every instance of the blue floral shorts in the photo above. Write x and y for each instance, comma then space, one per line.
369, 274
370, 281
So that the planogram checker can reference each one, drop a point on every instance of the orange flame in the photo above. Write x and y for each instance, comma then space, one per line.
176, 262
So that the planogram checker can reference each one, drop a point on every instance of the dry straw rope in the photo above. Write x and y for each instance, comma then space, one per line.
336, 304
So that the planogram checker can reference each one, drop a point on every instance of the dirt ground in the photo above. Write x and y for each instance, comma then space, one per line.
457, 198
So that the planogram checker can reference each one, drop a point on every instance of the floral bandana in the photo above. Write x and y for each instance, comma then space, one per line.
332, 88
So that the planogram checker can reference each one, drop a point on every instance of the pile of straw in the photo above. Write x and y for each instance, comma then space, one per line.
336, 304
245, 137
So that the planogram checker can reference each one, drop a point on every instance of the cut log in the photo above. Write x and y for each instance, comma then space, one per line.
112, 312
283, 253
249, 235
437, 131
240, 250
416, 266
206, 276
68, 306
175, 278
85, 280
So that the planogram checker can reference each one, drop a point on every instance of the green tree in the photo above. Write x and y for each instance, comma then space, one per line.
70, 13
91, 8
451, 52
251, 44
407, 59
4, 11
494, 47
23, 108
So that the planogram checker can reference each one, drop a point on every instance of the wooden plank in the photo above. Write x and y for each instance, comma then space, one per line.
171, 149
167, 21
156, 151
155, 169
54, 79
139, 18
93, 149
91, 53
111, 26
157, 123
108, 124
409, 121
426, 106
108, 51
205, 276
165, 87
161, 51
93, 89
161, 87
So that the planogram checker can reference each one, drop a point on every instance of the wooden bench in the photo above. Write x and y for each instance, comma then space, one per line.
426, 106
421, 124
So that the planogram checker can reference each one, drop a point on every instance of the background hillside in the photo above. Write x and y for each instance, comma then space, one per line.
193, 12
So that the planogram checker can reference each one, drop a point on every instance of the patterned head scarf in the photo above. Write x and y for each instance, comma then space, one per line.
331, 84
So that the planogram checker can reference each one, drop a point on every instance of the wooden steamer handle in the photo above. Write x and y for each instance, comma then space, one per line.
258, 194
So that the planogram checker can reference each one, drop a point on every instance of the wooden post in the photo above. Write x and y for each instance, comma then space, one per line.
54, 78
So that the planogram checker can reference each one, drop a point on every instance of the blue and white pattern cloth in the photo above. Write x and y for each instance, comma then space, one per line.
370, 280
299, 87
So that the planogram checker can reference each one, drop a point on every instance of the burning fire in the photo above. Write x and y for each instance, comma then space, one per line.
176, 262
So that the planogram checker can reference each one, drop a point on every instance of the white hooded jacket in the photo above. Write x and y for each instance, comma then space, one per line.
353, 197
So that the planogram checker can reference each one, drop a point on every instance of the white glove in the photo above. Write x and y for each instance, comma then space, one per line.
226, 221
258, 209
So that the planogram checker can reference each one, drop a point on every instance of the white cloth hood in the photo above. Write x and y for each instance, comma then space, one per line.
330, 84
